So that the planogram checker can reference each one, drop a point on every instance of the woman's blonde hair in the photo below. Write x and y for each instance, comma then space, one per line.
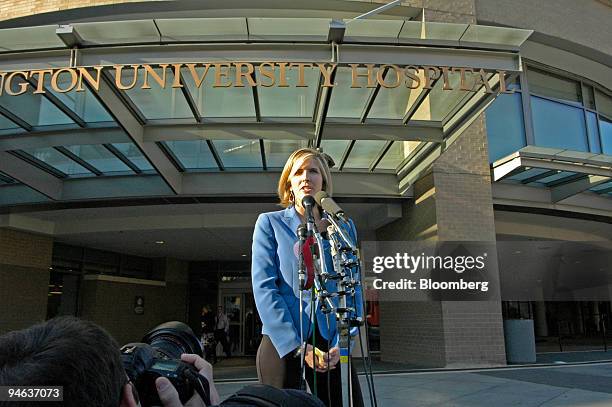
298, 156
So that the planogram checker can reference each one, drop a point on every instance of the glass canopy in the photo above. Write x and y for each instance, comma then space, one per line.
193, 124
564, 172
76, 161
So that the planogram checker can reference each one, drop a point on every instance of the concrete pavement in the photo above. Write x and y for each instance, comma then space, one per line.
584, 385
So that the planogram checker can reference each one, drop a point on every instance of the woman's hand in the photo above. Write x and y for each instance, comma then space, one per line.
315, 358
334, 357
323, 361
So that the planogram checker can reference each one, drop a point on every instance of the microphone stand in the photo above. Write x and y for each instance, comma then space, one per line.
345, 261
343, 251
302, 233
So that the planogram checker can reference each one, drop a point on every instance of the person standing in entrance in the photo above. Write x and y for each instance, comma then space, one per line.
274, 271
222, 330
207, 322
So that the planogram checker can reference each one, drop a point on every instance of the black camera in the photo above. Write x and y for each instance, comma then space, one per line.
159, 355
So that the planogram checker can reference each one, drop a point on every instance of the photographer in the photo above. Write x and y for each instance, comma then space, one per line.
84, 359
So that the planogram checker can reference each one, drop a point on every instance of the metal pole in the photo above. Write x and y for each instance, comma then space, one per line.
377, 10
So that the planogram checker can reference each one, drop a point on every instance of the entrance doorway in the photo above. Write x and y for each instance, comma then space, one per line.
245, 325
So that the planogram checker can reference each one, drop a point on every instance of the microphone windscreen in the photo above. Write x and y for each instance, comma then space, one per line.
320, 196
308, 200
307, 248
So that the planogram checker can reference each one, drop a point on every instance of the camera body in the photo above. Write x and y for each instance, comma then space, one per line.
159, 355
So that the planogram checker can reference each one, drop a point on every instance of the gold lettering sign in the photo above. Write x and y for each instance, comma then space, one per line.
247, 74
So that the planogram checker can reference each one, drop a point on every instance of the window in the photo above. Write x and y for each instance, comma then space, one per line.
553, 87
605, 126
505, 126
565, 114
558, 125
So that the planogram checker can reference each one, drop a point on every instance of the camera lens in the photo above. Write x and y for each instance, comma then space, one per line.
171, 339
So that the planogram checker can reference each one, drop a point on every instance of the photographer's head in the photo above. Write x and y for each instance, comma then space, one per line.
68, 352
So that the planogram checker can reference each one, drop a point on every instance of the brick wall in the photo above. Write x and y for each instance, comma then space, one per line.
451, 203
473, 331
20, 8
413, 332
25, 249
111, 303
25, 259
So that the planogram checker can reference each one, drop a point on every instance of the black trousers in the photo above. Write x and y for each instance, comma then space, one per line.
284, 373
221, 336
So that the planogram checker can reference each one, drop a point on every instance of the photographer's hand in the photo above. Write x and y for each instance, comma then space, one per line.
168, 394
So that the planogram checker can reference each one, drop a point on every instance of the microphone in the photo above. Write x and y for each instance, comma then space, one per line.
308, 202
329, 205
304, 250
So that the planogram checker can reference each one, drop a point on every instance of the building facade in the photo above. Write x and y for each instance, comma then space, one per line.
140, 140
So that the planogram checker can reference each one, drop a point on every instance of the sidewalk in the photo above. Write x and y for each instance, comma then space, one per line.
243, 368
585, 385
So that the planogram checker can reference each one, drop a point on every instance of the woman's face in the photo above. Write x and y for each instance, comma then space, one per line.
306, 179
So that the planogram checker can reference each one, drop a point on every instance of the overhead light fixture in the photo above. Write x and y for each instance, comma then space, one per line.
243, 255
160, 242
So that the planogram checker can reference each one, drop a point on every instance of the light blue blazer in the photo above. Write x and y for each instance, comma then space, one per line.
274, 271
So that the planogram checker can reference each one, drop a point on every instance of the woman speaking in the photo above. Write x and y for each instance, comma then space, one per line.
276, 289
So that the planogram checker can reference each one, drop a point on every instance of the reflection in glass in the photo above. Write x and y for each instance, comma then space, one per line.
36, 110
221, 101
363, 153
83, 103
555, 177
157, 102
277, 151
346, 101
239, 153
6, 124
397, 153
290, 101
5, 179
521, 176
432, 31
391, 103
605, 127
603, 103
58, 161
192, 154
392, 157
505, 126
593, 132
439, 103
134, 155
601, 187
335, 149
588, 96
19, 193
99, 157
553, 86
558, 125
